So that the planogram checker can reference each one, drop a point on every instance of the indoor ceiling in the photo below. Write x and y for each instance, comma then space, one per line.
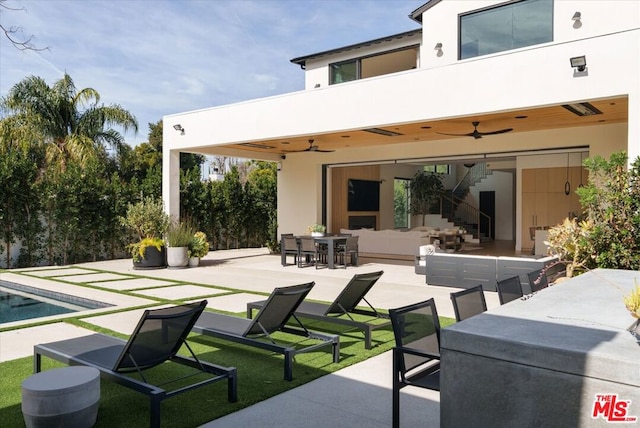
553, 117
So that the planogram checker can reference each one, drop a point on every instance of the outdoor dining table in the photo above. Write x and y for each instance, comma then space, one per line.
331, 242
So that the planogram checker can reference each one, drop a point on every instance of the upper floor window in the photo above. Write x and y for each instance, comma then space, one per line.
344, 71
510, 26
436, 169
374, 65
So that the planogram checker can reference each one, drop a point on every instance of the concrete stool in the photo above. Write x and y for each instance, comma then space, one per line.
64, 397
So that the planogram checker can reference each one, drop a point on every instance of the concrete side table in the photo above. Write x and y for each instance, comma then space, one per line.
65, 397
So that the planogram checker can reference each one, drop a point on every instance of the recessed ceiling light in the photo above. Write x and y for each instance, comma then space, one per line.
582, 109
521, 117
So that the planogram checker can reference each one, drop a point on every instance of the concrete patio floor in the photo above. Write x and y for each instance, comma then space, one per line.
355, 396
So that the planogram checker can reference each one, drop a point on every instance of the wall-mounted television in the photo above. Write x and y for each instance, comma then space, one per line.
363, 195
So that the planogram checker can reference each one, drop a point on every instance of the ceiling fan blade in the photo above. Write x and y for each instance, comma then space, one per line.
470, 134
500, 131
311, 148
478, 134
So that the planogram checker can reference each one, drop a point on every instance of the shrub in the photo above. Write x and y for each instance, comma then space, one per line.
146, 219
198, 247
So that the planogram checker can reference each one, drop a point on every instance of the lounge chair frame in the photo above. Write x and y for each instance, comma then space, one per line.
113, 357
252, 332
344, 305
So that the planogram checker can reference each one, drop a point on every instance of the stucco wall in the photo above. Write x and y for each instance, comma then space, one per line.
442, 88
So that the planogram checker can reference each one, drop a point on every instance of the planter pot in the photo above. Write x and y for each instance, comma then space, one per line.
153, 259
194, 261
317, 234
177, 257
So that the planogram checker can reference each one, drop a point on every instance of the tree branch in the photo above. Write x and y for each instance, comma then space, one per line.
11, 33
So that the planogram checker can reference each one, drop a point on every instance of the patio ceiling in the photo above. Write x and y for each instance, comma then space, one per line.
544, 118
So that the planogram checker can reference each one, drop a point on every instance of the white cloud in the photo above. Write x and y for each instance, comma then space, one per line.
158, 57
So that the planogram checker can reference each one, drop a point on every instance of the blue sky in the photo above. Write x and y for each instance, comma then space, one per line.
155, 57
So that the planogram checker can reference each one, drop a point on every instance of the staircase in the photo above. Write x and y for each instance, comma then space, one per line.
454, 208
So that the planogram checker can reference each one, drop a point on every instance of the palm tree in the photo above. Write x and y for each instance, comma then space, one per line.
70, 122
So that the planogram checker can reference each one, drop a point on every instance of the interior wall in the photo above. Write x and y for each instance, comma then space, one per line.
339, 213
501, 183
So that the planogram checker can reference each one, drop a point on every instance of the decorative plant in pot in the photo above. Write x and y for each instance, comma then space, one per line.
148, 222
632, 303
316, 229
178, 238
425, 190
198, 248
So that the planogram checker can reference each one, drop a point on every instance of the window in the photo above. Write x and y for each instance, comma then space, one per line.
374, 65
511, 26
344, 71
437, 169
401, 203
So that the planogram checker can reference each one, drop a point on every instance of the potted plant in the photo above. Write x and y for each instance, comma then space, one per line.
316, 229
148, 222
426, 190
632, 303
178, 238
198, 247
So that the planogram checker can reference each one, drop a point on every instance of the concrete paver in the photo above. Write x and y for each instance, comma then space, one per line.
132, 283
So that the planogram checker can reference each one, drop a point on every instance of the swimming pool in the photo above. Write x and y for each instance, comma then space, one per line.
20, 302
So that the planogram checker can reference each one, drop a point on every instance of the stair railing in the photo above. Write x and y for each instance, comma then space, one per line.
451, 206
473, 175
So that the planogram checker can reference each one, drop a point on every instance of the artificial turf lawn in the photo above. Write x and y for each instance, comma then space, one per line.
260, 376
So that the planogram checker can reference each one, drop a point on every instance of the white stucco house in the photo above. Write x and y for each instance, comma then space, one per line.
563, 76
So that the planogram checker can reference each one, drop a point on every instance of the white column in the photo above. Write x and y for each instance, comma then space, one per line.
171, 182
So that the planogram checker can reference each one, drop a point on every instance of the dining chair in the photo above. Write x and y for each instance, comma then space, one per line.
349, 249
288, 247
537, 280
509, 289
308, 253
469, 302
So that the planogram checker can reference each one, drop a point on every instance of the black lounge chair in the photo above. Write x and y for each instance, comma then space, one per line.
159, 335
416, 356
340, 310
273, 316
469, 302
509, 289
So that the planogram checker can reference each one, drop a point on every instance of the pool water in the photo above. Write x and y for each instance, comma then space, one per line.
18, 302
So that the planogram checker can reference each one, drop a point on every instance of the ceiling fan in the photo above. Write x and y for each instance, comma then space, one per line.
477, 134
311, 148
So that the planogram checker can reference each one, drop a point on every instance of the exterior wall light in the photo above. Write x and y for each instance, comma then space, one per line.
438, 46
579, 62
576, 18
